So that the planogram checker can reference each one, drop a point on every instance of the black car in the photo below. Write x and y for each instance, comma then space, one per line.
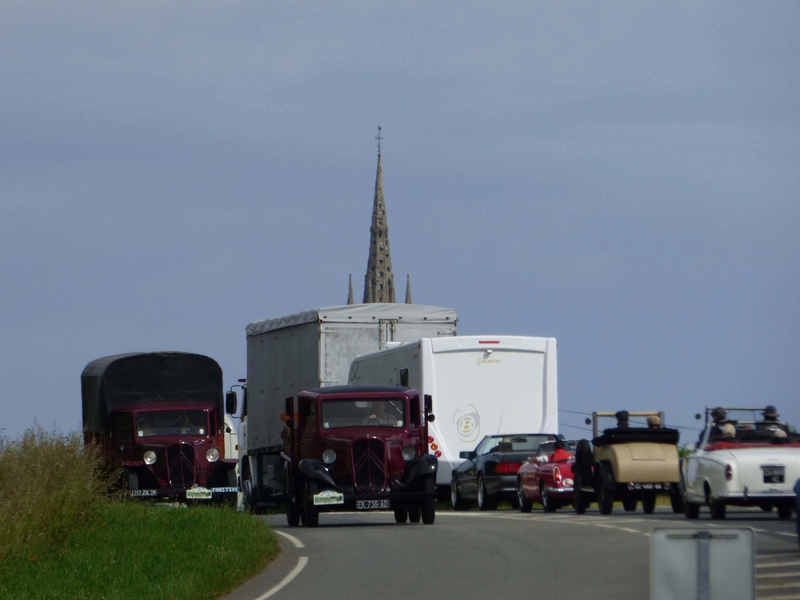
489, 473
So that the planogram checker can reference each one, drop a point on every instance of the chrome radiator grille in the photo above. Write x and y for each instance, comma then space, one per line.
180, 458
369, 466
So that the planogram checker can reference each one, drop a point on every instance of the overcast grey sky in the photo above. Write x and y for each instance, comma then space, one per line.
622, 176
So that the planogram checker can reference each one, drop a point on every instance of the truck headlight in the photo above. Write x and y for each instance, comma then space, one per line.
409, 453
329, 456
149, 457
212, 455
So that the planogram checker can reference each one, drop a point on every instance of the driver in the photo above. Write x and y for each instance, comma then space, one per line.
381, 415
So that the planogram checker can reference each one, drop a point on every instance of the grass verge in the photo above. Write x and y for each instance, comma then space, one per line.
63, 536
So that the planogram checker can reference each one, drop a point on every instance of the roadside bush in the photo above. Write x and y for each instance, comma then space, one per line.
50, 485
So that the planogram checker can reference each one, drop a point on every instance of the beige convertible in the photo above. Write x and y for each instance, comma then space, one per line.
628, 465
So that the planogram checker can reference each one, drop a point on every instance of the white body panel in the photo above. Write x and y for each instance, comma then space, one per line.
480, 385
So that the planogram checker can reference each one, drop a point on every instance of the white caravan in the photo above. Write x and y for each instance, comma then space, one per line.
480, 385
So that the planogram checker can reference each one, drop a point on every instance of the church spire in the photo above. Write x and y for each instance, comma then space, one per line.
408, 288
379, 280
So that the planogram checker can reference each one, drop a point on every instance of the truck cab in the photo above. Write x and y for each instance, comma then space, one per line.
359, 448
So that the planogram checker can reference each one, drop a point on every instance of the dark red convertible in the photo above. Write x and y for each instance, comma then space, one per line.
545, 480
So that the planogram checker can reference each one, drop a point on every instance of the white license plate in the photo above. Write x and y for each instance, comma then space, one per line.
371, 504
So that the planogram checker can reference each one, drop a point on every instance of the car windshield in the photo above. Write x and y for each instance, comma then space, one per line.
171, 422
512, 443
339, 413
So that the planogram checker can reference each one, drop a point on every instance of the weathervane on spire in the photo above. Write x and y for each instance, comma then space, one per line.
379, 138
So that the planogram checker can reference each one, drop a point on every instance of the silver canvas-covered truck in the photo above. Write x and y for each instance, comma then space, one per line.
302, 351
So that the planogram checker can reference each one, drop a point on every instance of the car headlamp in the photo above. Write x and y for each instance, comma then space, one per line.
409, 453
329, 456
212, 455
149, 457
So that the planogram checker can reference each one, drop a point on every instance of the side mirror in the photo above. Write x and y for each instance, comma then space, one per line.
231, 400
430, 417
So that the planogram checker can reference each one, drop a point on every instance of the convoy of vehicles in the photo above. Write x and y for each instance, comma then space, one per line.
482, 385
159, 417
546, 480
304, 351
489, 473
757, 466
359, 448
630, 464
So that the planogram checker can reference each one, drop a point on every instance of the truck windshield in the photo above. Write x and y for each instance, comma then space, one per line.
362, 413
171, 422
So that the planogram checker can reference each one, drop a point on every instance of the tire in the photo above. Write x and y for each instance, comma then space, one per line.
547, 501
691, 510
582, 467
784, 511
456, 499
414, 514
629, 503
717, 510
132, 480
400, 515
428, 505
580, 502
605, 500
485, 502
292, 503
310, 514
676, 501
649, 504
524, 504
249, 495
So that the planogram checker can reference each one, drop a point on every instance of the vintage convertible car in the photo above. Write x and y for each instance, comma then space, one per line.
543, 480
489, 473
627, 464
757, 467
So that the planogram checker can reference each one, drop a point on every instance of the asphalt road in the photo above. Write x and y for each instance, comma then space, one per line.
501, 554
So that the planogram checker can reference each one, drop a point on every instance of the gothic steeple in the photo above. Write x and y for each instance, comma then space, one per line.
379, 280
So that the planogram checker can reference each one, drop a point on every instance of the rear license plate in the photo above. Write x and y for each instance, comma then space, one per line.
657, 487
773, 474
371, 504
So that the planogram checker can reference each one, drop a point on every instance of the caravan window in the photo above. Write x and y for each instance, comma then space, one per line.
404, 378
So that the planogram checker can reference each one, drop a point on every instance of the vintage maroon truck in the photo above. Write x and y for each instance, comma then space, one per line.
159, 417
359, 448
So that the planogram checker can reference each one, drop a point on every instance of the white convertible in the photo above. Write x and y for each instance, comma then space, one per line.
748, 463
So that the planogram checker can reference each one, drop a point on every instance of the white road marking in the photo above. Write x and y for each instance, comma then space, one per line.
297, 543
301, 564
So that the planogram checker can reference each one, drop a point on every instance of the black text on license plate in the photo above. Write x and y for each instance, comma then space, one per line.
371, 504
773, 474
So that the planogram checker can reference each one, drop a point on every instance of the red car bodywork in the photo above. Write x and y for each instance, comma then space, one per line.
543, 480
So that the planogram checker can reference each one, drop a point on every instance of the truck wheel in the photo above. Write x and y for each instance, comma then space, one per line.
292, 504
249, 495
649, 503
485, 502
400, 515
132, 480
428, 506
456, 499
523, 503
310, 511
784, 511
414, 514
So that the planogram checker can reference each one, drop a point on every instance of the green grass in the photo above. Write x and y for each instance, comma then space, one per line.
63, 534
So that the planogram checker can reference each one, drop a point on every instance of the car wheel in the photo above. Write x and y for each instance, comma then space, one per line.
691, 510
649, 504
605, 495
676, 501
547, 501
582, 467
523, 503
400, 515
629, 503
784, 511
485, 501
717, 507
580, 502
456, 499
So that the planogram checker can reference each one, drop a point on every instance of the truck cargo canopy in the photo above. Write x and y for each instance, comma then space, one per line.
134, 378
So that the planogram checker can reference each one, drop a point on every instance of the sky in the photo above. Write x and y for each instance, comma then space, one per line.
622, 176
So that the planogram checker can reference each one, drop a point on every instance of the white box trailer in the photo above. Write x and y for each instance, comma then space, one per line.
311, 349
480, 385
